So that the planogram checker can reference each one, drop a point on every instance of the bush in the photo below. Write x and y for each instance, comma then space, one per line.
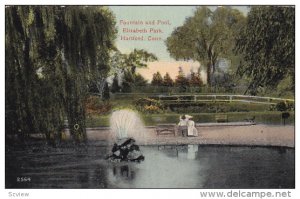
281, 106
147, 105
285, 106
152, 109
154, 119
216, 107
290, 106
260, 118
94, 105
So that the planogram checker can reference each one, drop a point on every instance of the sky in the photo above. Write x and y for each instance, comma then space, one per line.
166, 19
175, 14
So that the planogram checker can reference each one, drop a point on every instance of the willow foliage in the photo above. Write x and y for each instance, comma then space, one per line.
268, 46
52, 53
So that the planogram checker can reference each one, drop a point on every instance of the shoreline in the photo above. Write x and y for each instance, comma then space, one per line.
251, 135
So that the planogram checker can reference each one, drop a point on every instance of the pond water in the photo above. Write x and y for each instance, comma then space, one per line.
186, 166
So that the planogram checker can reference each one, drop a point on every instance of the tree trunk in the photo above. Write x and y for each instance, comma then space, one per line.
208, 73
100, 83
75, 112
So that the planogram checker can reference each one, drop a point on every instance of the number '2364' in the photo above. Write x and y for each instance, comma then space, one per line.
23, 179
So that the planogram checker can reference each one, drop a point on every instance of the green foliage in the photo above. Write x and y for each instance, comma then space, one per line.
52, 53
115, 84
139, 80
268, 46
126, 64
137, 59
260, 117
97, 121
154, 119
281, 106
105, 94
147, 105
206, 36
285, 87
195, 79
167, 80
157, 79
94, 105
224, 80
216, 107
181, 81
130, 80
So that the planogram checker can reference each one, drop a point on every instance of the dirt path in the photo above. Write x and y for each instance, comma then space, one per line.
260, 135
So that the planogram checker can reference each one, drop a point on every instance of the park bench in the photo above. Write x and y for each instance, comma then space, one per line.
166, 129
221, 118
250, 119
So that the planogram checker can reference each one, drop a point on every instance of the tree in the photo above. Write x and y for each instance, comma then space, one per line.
127, 82
115, 84
167, 80
195, 79
138, 58
268, 46
139, 80
52, 54
126, 65
206, 36
105, 94
181, 80
157, 79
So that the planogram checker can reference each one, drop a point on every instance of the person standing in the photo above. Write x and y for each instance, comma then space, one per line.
182, 125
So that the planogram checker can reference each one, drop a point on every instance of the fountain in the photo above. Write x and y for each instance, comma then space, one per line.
127, 123
126, 127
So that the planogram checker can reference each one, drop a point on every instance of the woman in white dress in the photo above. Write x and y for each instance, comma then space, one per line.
192, 131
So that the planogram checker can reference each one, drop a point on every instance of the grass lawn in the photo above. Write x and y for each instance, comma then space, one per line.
266, 117
202, 112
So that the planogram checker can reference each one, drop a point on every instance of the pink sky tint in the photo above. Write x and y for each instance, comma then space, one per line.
171, 67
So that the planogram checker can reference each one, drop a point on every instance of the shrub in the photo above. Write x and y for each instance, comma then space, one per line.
285, 106
281, 106
291, 106
215, 107
152, 109
94, 105
148, 105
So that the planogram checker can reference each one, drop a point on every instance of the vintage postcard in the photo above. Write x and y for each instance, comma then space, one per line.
110, 97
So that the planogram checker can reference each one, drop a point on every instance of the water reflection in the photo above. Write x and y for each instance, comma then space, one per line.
189, 152
123, 172
161, 169
187, 166
192, 151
